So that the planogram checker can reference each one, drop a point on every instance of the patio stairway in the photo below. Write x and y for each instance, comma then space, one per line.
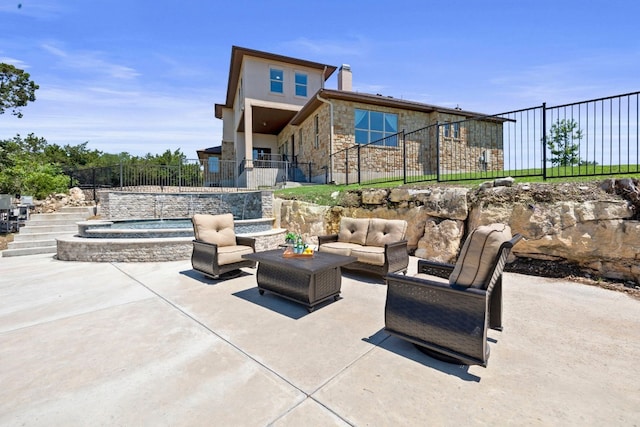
39, 234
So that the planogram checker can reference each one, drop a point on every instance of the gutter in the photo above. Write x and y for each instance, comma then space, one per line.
330, 134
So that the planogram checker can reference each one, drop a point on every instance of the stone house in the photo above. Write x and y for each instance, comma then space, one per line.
278, 110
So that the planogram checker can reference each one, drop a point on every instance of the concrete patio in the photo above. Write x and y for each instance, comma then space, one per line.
157, 344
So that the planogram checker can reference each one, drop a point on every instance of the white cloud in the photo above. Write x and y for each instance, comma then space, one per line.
90, 62
357, 46
15, 62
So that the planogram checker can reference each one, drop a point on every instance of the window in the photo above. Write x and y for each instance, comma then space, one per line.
261, 153
214, 164
301, 84
276, 77
376, 127
452, 130
316, 131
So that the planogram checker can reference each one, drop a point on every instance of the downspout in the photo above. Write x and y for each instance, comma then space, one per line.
330, 134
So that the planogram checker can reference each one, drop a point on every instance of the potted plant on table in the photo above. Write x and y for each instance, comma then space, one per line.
290, 238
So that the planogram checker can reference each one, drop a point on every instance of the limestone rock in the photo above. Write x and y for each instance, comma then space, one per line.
441, 240
376, 196
448, 202
303, 218
504, 182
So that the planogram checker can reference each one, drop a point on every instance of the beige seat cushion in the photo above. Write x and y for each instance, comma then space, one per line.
216, 229
373, 255
231, 254
353, 230
384, 231
339, 248
478, 254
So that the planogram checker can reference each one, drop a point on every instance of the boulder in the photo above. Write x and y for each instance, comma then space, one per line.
441, 240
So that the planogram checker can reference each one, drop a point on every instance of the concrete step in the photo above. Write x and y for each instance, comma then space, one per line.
30, 251
57, 217
39, 229
47, 237
33, 243
39, 233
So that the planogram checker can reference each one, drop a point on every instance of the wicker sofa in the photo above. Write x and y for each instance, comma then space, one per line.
378, 244
216, 248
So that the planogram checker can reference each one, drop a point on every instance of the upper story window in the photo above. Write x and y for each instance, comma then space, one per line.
301, 84
276, 77
377, 127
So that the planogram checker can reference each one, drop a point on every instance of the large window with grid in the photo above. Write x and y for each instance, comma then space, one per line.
376, 127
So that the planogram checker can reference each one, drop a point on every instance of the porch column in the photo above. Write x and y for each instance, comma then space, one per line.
248, 134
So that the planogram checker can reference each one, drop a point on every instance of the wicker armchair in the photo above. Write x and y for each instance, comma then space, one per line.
216, 249
449, 319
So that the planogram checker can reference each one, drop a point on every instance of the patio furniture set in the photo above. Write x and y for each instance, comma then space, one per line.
445, 310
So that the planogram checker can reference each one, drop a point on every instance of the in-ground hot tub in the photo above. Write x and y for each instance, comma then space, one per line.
151, 240
159, 228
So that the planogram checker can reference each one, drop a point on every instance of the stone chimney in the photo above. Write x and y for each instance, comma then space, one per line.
345, 78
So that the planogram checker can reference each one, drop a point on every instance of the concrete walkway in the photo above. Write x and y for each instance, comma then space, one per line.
156, 344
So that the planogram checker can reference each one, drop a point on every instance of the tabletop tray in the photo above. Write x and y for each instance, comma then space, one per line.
292, 255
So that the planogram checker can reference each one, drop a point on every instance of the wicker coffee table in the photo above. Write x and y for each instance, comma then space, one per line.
308, 280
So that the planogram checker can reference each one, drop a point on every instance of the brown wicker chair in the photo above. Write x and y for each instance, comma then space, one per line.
216, 249
449, 319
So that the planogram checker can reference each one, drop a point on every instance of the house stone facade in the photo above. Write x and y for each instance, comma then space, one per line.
314, 131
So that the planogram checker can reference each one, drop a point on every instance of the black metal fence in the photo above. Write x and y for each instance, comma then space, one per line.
215, 175
589, 138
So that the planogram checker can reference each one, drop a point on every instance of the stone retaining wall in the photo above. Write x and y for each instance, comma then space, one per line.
590, 227
141, 205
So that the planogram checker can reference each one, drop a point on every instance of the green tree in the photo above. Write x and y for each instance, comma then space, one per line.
24, 168
16, 89
562, 144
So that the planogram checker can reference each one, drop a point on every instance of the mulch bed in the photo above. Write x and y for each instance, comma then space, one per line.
571, 272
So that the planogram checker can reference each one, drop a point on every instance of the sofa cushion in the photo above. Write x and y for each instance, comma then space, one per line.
373, 255
478, 254
384, 231
231, 254
353, 230
339, 248
215, 229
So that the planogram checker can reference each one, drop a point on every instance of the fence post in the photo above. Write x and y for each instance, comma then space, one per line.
180, 176
544, 141
309, 180
359, 166
346, 166
404, 157
121, 178
438, 151
93, 175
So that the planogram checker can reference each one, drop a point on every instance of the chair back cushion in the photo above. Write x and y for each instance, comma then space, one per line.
383, 231
478, 255
216, 229
353, 230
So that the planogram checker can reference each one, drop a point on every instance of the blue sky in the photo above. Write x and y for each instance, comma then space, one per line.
143, 76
